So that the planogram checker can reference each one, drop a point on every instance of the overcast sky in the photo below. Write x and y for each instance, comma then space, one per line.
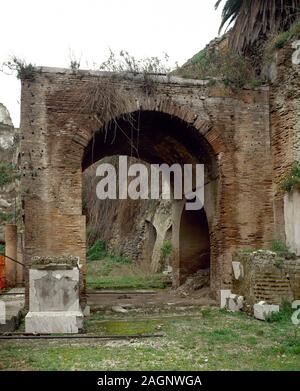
44, 32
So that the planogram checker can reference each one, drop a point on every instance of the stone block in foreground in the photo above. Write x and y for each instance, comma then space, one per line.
234, 303
262, 310
54, 296
67, 322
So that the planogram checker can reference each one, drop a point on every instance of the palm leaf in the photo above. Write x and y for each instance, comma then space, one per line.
257, 19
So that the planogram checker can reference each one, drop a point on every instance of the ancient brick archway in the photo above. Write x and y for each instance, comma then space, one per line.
158, 137
228, 131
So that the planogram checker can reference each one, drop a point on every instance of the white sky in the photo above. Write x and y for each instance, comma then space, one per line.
44, 32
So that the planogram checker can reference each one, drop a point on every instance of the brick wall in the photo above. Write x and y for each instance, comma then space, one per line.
285, 125
268, 276
228, 131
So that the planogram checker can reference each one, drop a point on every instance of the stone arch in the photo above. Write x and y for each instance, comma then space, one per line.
56, 132
82, 130
190, 146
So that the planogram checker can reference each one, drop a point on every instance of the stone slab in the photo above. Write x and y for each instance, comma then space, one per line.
296, 54
262, 310
14, 301
224, 293
238, 270
234, 302
66, 322
54, 290
119, 309
2, 312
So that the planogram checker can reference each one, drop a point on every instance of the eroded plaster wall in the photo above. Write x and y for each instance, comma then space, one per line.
131, 228
292, 220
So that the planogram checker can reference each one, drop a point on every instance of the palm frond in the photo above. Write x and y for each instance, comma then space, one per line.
230, 11
257, 19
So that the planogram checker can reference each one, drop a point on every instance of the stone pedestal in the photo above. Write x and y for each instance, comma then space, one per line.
224, 294
54, 296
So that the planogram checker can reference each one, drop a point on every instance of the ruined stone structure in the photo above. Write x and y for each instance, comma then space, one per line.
175, 120
267, 276
285, 127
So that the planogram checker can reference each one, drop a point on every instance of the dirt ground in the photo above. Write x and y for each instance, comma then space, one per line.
155, 301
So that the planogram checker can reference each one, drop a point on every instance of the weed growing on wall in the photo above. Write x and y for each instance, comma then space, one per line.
99, 252
279, 247
146, 67
281, 39
8, 173
166, 250
235, 70
105, 101
23, 70
6, 216
125, 62
292, 179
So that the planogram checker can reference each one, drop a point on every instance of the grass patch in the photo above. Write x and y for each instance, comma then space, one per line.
109, 271
2, 249
284, 315
290, 346
215, 341
281, 39
278, 247
224, 335
122, 327
235, 70
156, 281
97, 251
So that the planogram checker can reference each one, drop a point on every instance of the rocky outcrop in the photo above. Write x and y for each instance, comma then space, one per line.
132, 228
7, 134
8, 156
